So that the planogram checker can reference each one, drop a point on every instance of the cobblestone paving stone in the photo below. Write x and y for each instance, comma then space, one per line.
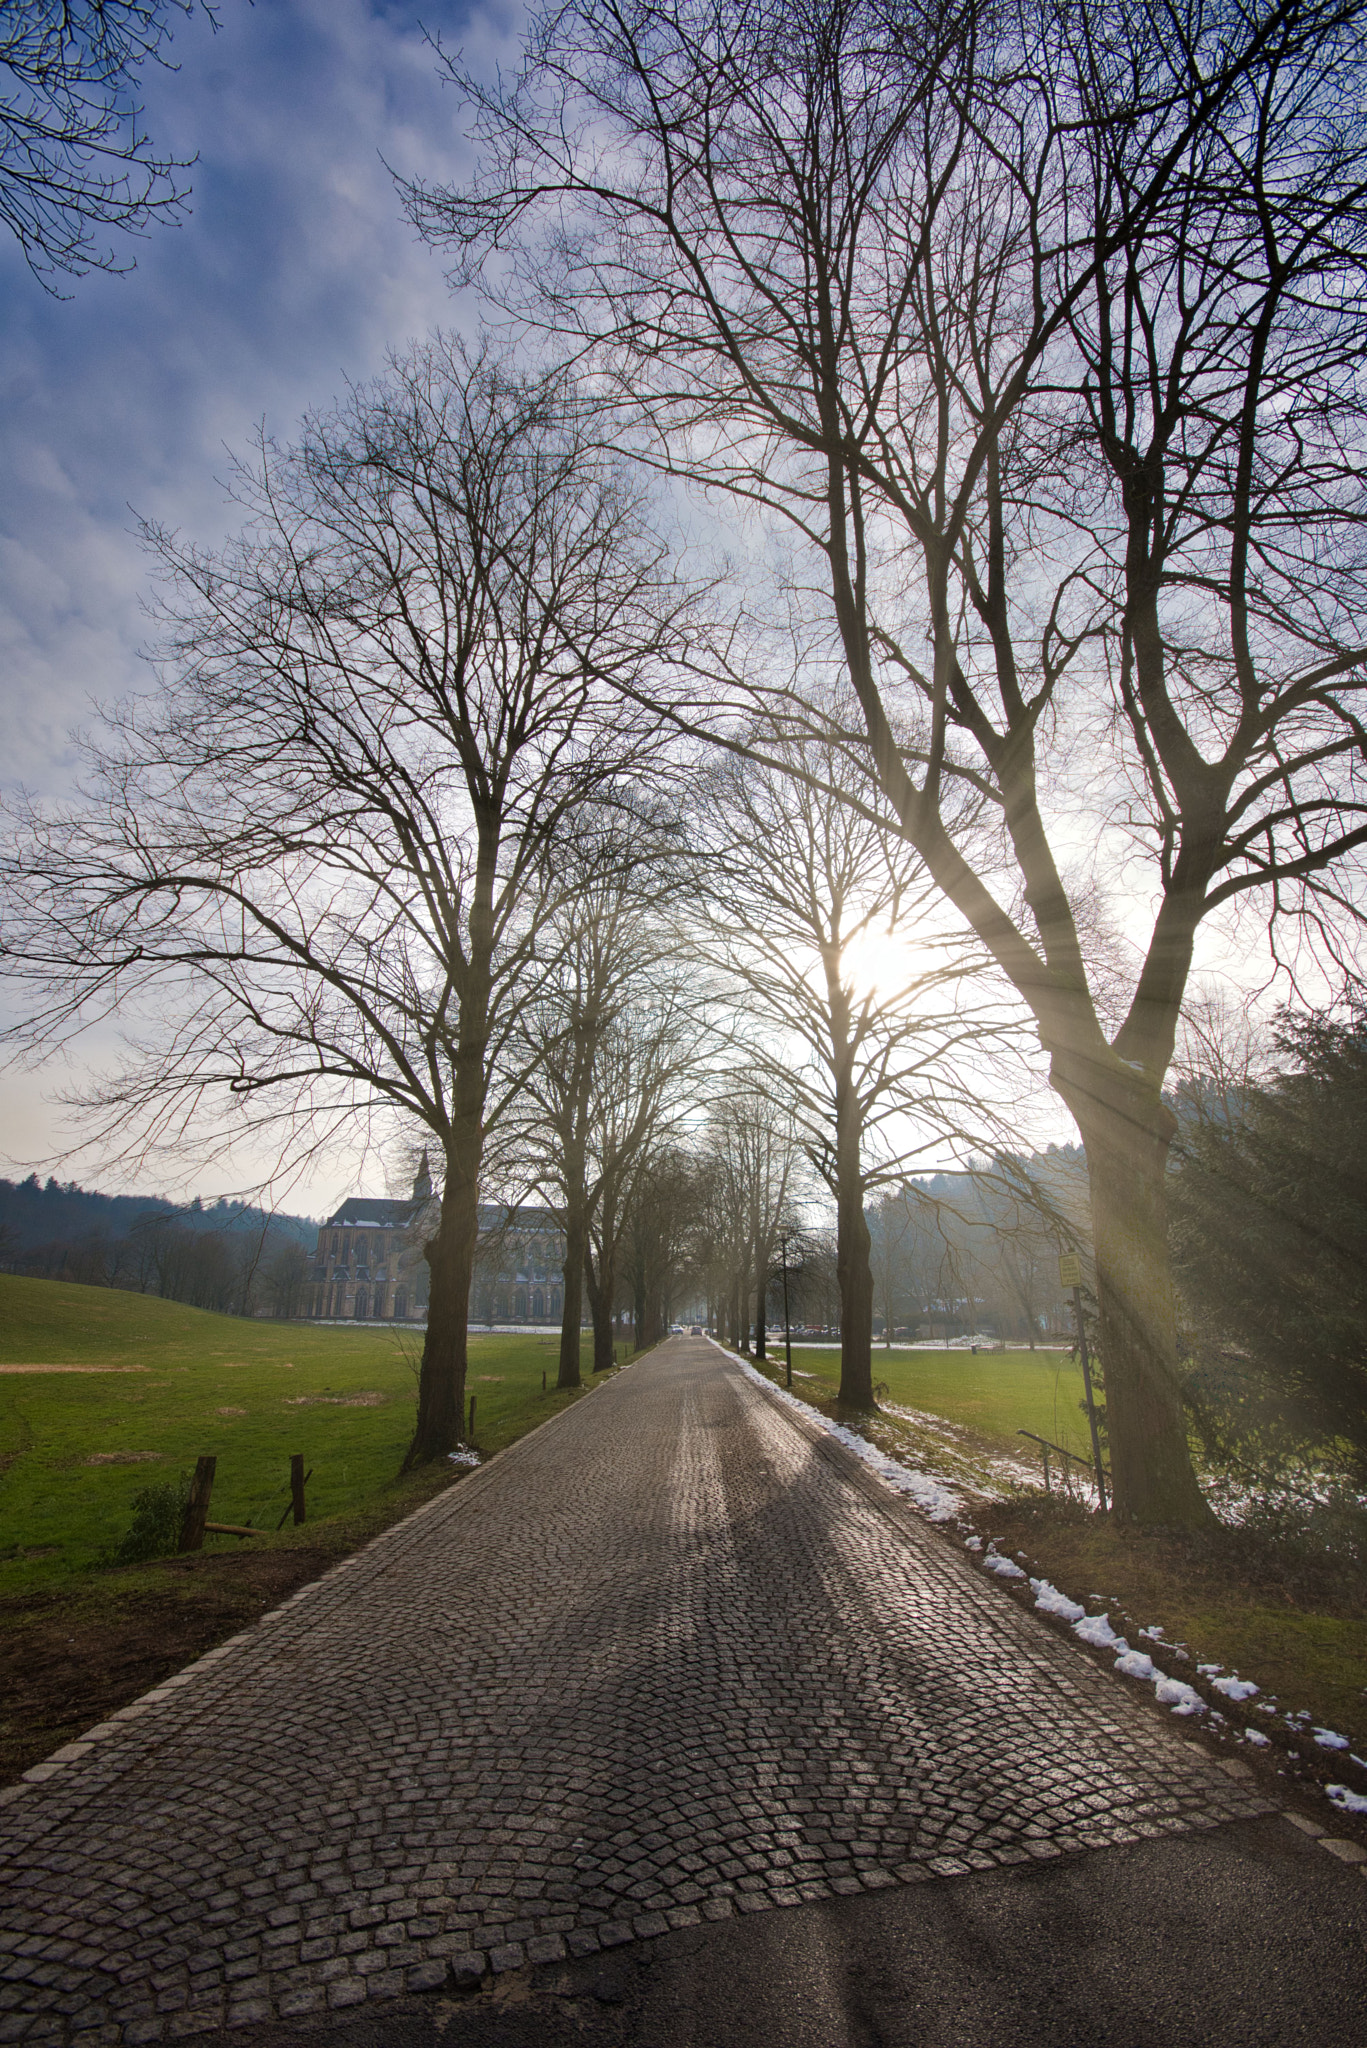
665, 1660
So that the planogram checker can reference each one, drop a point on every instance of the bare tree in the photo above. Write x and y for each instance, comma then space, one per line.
74, 157
660, 1237
756, 1173
323, 858
892, 1240
1038, 328
645, 1088
820, 915
609, 936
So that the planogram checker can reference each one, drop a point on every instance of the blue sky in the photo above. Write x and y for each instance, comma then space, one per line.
294, 271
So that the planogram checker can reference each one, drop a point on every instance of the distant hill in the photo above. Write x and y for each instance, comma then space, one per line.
231, 1257
39, 1213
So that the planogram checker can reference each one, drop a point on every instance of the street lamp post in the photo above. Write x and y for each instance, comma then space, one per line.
787, 1333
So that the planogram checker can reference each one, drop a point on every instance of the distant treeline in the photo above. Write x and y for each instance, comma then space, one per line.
230, 1257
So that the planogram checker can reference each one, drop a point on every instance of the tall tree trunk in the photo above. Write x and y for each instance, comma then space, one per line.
450, 1258
572, 1314
638, 1300
602, 1288
761, 1303
743, 1293
1127, 1145
451, 1253
853, 1264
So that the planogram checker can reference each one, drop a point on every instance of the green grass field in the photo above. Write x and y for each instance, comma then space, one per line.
994, 1394
171, 1384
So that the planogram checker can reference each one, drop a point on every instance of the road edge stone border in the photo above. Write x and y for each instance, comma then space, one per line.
463, 1485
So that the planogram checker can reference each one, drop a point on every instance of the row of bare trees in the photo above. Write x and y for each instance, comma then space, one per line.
1038, 332
876, 1041
328, 863
1024, 346
612, 1047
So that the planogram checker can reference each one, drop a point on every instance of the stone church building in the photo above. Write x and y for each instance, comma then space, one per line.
368, 1264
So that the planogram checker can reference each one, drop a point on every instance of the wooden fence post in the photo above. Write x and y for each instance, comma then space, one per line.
471, 1435
197, 1507
297, 1486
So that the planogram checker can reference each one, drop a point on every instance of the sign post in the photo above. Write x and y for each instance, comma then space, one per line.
1070, 1275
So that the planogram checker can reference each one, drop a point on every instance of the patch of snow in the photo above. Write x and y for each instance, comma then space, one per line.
935, 1500
973, 1543
1002, 1566
1257, 1738
1209, 1670
1135, 1664
463, 1457
1049, 1600
1181, 1697
1096, 1629
1329, 1738
1234, 1688
1345, 1800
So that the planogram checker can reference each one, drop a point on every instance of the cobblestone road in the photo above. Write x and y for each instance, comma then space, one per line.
668, 1659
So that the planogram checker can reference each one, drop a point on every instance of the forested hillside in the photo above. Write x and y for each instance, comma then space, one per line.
230, 1256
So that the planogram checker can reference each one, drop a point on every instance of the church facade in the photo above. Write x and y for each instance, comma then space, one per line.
368, 1263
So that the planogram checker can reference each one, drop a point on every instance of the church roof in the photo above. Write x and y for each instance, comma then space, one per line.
495, 1216
378, 1212
374, 1212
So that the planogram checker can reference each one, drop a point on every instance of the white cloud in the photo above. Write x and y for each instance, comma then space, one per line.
294, 272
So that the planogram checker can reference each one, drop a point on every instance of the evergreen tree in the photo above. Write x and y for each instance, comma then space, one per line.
1270, 1243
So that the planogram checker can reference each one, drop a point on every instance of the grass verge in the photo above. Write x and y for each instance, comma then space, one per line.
149, 1387
1293, 1622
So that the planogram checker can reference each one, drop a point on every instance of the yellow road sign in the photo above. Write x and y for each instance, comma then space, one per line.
1069, 1270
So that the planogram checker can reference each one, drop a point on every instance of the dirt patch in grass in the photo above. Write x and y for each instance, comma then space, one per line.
73, 1655
66, 1664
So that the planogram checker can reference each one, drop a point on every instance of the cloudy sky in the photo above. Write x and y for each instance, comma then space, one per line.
294, 271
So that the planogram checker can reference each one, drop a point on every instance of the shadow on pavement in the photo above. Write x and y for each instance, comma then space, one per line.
1247, 1936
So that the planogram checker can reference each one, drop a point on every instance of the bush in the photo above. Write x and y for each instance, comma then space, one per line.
1333, 1525
158, 1512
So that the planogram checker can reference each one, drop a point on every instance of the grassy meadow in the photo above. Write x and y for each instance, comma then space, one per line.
992, 1395
151, 1385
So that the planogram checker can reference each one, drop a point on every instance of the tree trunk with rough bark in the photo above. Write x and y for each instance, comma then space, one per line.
441, 1377
572, 1314
602, 1288
761, 1305
451, 1253
856, 1302
853, 1259
1127, 1132
638, 1300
